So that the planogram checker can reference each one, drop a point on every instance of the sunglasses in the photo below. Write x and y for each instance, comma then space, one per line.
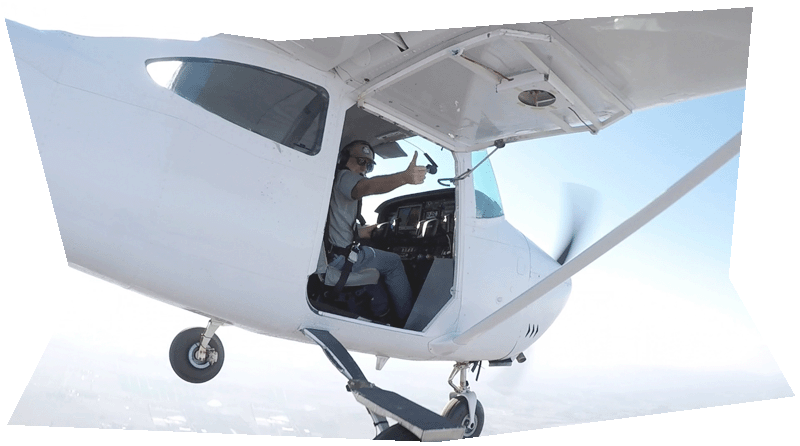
366, 162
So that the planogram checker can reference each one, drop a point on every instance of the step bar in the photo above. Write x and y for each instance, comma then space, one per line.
425, 424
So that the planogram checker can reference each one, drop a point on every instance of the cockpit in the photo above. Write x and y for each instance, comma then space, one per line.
416, 222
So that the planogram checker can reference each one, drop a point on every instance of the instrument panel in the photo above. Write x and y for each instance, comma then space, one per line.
418, 226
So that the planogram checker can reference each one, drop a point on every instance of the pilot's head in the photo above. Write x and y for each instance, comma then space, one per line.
358, 157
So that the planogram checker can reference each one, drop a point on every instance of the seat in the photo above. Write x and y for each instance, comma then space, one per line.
330, 275
363, 295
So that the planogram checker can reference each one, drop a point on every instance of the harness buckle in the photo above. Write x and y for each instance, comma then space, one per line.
352, 257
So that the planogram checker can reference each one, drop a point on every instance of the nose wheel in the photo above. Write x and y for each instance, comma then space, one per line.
196, 354
457, 411
464, 408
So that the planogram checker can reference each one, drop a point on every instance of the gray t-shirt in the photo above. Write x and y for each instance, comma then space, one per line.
343, 210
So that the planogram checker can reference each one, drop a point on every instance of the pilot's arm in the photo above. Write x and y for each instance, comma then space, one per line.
386, 183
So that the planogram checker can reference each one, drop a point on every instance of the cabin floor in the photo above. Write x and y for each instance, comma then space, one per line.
351, 302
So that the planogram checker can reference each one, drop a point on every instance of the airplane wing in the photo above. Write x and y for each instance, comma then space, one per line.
467, 88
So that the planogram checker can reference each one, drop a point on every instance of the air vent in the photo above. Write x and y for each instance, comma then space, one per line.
537, 98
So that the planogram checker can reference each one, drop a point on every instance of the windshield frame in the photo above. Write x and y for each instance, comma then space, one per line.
488, 202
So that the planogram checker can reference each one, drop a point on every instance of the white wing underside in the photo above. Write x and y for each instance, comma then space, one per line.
460, 87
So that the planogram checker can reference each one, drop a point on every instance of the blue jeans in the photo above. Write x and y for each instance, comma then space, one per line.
394, 275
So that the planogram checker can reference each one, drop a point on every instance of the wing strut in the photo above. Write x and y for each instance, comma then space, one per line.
610, 240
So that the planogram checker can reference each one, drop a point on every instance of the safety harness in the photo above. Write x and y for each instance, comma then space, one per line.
350, 253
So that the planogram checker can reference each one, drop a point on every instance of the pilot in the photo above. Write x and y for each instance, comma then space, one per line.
351, 184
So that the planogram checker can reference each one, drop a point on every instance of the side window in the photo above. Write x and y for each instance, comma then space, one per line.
487, 195
276, 106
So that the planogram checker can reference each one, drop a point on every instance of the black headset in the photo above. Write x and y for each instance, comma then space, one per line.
344, 154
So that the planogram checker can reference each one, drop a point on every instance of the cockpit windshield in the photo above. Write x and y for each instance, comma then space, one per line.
443, 158
487, 195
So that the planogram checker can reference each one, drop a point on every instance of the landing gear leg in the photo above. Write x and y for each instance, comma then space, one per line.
203, 351
380, 422
196, 354
464, 407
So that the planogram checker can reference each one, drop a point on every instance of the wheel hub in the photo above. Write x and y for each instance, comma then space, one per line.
469, 427
197, 357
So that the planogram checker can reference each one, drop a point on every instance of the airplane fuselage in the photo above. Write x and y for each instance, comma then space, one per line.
160, 196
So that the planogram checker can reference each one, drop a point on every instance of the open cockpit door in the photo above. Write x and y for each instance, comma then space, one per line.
467, 88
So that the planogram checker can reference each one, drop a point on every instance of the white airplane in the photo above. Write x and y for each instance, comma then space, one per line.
199, 174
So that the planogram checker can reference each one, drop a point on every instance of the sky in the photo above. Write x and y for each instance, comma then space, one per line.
680, 260
668, 284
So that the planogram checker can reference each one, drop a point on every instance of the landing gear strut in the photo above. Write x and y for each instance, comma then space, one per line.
196, 354
464, 408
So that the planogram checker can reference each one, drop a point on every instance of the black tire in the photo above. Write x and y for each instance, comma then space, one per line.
397, 432
182, 361
457, 411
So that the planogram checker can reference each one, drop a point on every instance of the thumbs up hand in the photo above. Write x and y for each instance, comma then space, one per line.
415, 174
